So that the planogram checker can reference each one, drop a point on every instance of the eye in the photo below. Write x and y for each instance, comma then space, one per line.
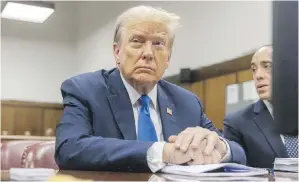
136, 40
158, 43
253, 69
268, 66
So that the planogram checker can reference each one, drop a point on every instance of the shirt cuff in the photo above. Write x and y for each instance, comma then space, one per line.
155, 156
227, 157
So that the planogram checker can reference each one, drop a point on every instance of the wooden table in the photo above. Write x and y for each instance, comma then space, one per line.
121, 176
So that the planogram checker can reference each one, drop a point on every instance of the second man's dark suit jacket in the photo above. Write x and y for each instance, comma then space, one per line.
253, 128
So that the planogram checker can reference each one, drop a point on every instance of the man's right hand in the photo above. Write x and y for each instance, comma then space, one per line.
192, 156
174, 156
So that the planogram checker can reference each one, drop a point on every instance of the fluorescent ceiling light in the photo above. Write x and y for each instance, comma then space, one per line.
31, 11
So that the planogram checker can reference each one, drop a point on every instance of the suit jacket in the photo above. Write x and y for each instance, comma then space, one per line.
253, 128
97, 129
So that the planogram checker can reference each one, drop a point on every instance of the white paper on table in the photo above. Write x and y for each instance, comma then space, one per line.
232, 94
249, 91
31, 174
175, 177
208, 170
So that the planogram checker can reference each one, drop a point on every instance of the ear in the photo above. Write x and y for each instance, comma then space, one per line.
168, 60
116, 52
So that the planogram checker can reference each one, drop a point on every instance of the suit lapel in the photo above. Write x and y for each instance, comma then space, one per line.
121, 106
167, 114
262, 119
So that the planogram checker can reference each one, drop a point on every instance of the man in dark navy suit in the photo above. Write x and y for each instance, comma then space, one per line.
121, 119
253, 127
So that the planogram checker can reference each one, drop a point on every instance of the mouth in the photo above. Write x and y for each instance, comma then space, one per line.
145, 68
261, 86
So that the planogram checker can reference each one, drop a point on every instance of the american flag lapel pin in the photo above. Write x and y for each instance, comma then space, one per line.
169, 111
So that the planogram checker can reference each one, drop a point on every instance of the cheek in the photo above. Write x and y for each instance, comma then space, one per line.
162, 59
268, 77
130, 57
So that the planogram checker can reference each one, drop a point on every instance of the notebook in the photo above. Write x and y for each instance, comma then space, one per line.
286, 164
223, 169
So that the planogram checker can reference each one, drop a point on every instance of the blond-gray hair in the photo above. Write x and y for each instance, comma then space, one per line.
146, 13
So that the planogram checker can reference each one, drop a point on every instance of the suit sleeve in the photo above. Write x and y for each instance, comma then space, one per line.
231, 133
78, 149
236, 151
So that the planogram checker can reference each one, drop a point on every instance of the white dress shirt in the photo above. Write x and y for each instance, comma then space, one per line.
270, 109
155, 152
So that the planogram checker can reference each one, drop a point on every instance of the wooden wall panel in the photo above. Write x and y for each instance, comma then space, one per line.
51, 119
17, 117
243, 76
215, 94
198, 89
28, 119
7, 120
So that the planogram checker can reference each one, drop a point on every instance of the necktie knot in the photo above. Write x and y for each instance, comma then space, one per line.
144, 101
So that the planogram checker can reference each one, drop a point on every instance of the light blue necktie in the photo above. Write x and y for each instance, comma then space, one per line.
146, 129
291, 144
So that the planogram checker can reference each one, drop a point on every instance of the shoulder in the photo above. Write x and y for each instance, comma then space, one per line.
86, 81
241, 116
176, 91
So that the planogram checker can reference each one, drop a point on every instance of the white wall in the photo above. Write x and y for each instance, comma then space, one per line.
211, 32
77, 38
36, 58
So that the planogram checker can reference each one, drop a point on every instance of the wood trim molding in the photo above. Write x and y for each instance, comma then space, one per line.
219, 69
31, 104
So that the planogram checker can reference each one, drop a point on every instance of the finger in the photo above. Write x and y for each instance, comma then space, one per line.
198, 138
221, 147
211, 143
179, 140
172, 138
181, 136
180, 158
186, 141
216, 157
198, 157
207, 159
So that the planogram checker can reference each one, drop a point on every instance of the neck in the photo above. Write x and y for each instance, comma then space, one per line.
142, 89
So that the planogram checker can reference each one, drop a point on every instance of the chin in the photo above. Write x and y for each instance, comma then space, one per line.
264, 96
144, 78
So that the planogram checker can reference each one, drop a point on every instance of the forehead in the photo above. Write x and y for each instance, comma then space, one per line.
264, 54
147, 28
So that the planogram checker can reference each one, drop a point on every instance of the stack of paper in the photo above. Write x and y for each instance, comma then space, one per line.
181, 178
223, 169
31, 174
286, 164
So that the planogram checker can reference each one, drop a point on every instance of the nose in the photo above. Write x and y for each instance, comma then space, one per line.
148, 52
259, 74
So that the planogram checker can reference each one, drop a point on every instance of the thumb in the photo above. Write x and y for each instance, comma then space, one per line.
172, 138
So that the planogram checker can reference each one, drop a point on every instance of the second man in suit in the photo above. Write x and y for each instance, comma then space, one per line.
253, 127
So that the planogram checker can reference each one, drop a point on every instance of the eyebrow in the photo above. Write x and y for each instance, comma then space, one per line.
263, 62
266, 61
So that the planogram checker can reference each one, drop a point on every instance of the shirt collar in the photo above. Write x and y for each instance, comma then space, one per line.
269, 107
134, 95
